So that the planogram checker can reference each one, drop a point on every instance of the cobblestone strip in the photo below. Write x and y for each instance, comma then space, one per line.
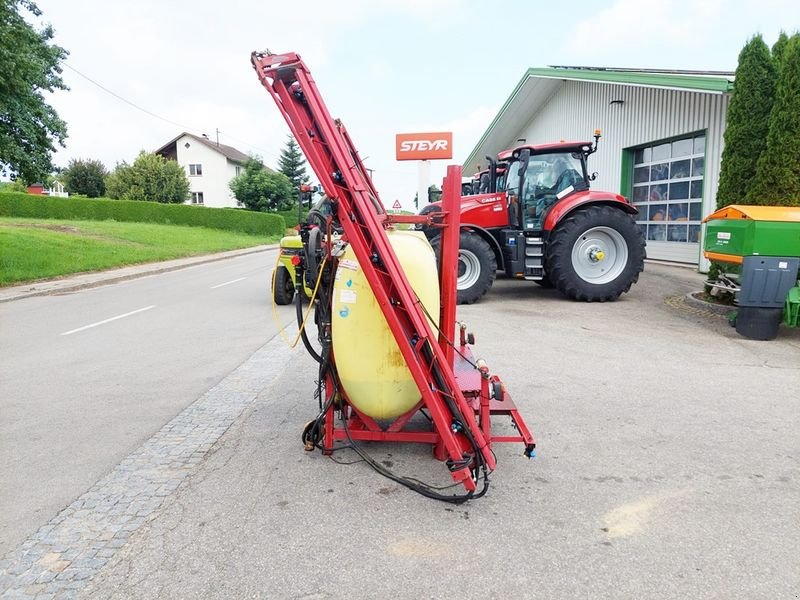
695, 307
63, 555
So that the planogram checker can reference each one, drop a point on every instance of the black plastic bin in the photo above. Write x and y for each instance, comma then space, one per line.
758, 323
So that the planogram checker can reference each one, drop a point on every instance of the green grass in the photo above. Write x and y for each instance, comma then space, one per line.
27, 206
33, 249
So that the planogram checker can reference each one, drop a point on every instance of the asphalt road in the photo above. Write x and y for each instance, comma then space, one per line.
668, 467
87, 376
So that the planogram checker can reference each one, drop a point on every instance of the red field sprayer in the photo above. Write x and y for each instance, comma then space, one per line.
389, 346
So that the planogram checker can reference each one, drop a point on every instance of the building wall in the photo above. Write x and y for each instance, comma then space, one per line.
646, 115
217, 172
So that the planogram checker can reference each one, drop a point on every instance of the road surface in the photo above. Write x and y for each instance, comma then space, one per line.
87, 376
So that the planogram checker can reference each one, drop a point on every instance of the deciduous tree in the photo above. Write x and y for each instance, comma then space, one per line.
85, 177
263, 190
29, 65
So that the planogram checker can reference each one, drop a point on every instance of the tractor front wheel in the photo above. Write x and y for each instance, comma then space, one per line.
282, 287
595, 254
477, 266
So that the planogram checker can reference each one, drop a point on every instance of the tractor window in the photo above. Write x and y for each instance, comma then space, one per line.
549, 178
512, 178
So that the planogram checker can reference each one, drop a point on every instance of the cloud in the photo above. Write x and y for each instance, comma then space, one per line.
189, 63
680, 34
467, 130
627, 26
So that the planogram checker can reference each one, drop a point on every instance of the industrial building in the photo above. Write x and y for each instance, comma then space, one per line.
661, 146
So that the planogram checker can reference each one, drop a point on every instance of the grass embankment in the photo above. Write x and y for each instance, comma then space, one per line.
33, 249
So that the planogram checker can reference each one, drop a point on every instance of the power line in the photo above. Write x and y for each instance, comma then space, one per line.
156, 116
126, 101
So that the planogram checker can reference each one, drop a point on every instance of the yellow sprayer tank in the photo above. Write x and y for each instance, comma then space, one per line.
371, 368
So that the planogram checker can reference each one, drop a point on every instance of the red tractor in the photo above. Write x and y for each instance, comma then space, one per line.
482, 182
541, 221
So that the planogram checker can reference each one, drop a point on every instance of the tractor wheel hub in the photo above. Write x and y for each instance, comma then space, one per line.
596, 254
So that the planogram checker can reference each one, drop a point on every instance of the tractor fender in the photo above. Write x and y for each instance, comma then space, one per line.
490, 239
586, 198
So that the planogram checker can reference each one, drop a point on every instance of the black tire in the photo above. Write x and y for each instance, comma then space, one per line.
473, 253
576, 235
283, 288
545, 282
430, 232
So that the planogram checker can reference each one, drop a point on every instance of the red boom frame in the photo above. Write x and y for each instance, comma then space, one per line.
456, 395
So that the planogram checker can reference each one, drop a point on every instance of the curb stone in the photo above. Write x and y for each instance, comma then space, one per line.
720, 309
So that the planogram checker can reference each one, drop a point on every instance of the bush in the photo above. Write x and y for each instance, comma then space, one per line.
261, 189
13, 186
151, 177
85, 178
14, 204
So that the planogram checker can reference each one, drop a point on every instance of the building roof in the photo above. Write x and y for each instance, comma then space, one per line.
539, 84
228, 152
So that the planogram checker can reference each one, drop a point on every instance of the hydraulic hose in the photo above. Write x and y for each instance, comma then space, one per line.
298, 301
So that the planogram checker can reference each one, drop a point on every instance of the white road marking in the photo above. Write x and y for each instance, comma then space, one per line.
104, 321
213, 287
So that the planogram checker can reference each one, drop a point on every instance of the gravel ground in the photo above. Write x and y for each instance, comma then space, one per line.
668, 467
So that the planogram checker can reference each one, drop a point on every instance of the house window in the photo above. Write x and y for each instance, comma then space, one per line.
195, 170
197, 198
668, 189
238, 170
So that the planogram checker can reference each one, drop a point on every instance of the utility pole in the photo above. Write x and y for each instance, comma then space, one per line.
217, 137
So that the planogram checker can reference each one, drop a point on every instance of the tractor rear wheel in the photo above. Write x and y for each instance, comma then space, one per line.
430, 232
595, 254
282, 287
477, 266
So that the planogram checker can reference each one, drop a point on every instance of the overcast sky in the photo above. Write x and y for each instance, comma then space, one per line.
383, 66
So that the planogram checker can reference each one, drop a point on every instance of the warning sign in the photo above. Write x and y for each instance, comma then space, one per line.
397, 205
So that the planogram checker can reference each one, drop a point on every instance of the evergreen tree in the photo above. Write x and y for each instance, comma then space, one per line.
778, 48
748, 122
292, 164
777, 178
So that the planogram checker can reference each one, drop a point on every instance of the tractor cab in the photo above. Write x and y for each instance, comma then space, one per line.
539, 176
484, 183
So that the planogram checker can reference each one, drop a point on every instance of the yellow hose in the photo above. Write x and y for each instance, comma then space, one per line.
282, 329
